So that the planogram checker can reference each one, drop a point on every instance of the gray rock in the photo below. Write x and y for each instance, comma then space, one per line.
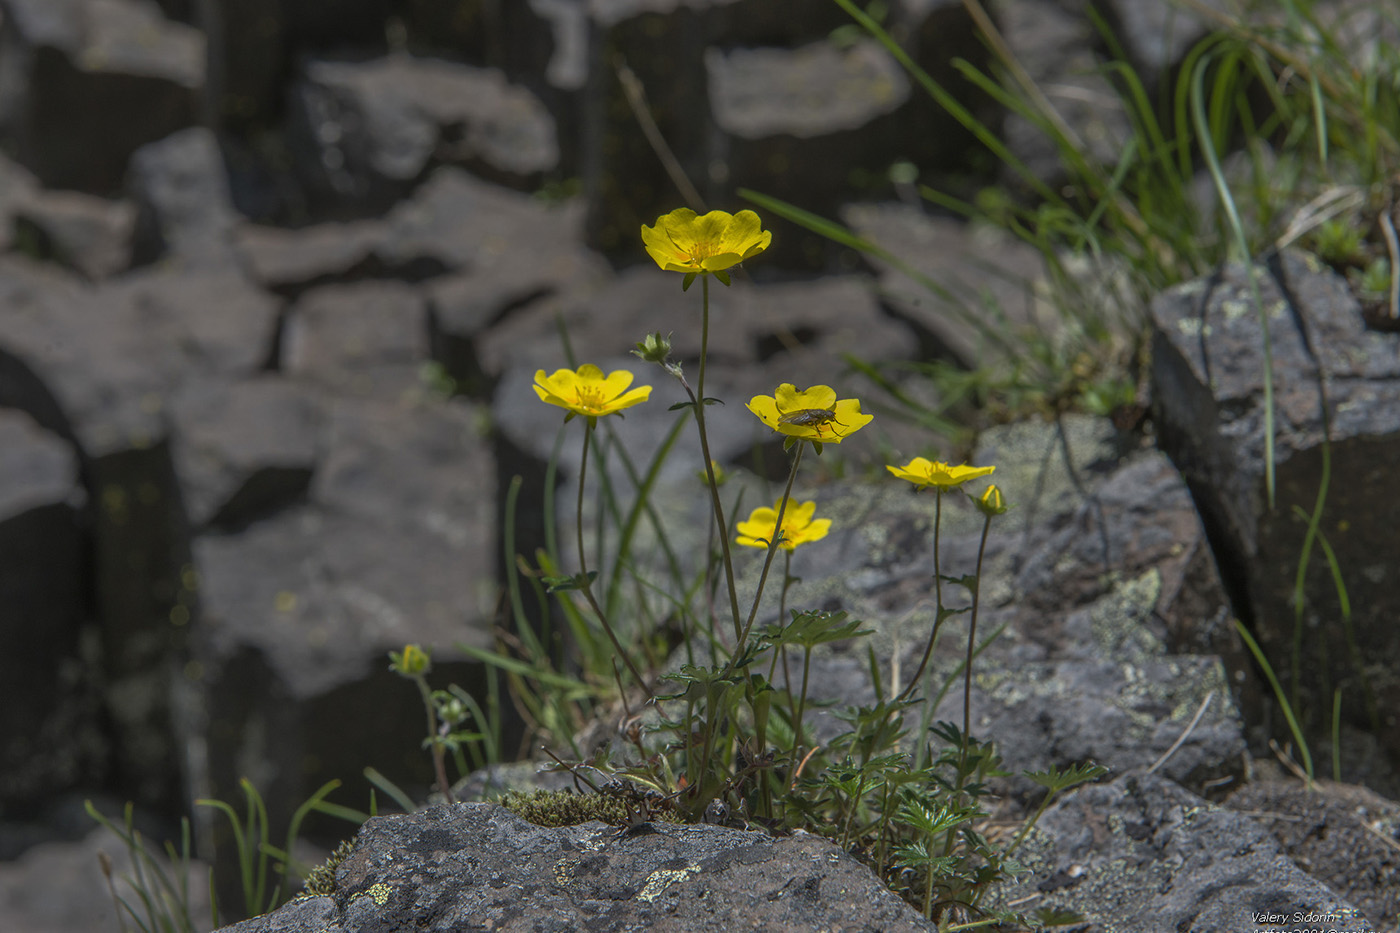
1341, 834
1207, 365
365, 339
244, 449
90, 235
37, 890
1078, 575
17, 186
1141, 853
90, 81
371, 130
459, 223
761, 336
988, 278
1157, 36
475, 864
99, 366
48, 709
397, 544
291, 261
784, 117
254, 44
662, 43
182, 188
458, 234
1055, 45
807, 92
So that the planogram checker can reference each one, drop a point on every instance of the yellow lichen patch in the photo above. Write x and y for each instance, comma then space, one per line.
564, 870
378, 892
661, 879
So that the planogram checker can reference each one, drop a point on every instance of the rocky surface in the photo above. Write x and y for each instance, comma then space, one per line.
274, 282
478, 866
1140, 853
1336, 419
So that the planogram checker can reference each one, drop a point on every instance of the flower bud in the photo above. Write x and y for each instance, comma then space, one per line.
654, 349
413, 662
991, 503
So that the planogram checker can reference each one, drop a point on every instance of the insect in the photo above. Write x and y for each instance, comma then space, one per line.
809, 417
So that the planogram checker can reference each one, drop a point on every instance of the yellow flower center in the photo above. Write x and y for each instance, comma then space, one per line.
591, 397
698, 253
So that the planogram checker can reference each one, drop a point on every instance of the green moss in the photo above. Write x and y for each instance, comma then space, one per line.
562, 808
321, 880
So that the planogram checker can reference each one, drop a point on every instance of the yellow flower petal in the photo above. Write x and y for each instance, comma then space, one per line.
924, 472
681, 241
814, 414
798, 526
588, 391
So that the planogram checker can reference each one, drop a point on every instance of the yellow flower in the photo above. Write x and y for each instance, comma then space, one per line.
798, 527
683, 241
812, 415
922, 472
588, 392
991, 503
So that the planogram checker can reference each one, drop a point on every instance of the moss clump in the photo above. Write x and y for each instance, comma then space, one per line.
563, 808
321, 880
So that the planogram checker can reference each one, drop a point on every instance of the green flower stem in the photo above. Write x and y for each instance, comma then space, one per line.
782, 614
938, 598
709, 463
439, 764
587, 585
967, 666
801, 710
772, 550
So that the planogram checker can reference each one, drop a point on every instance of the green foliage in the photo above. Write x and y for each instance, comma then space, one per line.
268, 874
162, 902
721, 734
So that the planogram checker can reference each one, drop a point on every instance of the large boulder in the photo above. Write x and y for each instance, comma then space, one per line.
446, 868
49, 738
367, 132
1140, 853
87, 82
1336, 424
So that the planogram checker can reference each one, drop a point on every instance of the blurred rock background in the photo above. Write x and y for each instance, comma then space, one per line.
276, 276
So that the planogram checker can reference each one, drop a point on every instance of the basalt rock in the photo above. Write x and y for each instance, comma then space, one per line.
477, 866
90, 81
1336, 423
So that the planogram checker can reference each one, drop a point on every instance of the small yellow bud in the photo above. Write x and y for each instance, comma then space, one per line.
413, 662
991, 503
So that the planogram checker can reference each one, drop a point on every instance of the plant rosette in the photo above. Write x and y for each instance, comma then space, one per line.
814, 414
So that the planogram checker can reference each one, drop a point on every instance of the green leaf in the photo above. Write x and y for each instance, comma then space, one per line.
577, 581
968, 581
811, 628
689, 279
723, 276
1055, 780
